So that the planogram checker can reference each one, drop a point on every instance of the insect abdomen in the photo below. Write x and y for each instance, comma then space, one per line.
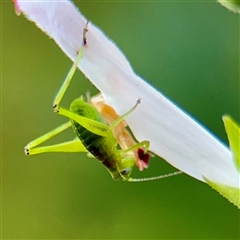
100, 147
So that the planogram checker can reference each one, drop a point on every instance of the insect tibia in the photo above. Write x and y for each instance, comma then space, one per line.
154, 178
70, 74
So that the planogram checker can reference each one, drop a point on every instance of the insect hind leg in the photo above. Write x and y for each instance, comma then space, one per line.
70, 146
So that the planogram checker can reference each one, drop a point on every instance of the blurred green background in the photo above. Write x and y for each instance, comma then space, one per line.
188, 50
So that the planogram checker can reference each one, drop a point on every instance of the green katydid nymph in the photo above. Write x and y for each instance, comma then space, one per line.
100, 132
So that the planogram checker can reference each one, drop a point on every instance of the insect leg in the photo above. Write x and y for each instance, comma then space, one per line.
62, 147
144, 144
71, 146
91, 125
68, 79
109, 115
125, 115
49, 135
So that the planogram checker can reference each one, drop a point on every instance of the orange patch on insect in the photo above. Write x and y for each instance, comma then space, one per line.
120, 132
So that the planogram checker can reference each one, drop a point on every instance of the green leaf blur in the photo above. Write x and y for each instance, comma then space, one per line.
233, 132
231, 193
188, 50
232, 5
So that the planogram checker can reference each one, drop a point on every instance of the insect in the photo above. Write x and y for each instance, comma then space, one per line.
120, 132
99, 131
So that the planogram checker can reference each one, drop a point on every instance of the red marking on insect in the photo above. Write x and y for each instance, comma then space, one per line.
144, 159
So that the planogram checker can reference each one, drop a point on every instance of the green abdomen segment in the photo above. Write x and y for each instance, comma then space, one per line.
100, 147
96, 145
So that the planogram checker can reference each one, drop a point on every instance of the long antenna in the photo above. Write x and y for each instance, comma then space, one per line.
154, 178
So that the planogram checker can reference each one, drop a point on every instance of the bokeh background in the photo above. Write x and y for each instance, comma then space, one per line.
188, 50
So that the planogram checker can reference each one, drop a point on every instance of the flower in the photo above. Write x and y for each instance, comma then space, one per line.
173, 134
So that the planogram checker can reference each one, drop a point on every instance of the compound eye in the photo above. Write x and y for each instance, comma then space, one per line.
126, 171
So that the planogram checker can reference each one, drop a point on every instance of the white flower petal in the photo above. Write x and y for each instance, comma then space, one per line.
173, 135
